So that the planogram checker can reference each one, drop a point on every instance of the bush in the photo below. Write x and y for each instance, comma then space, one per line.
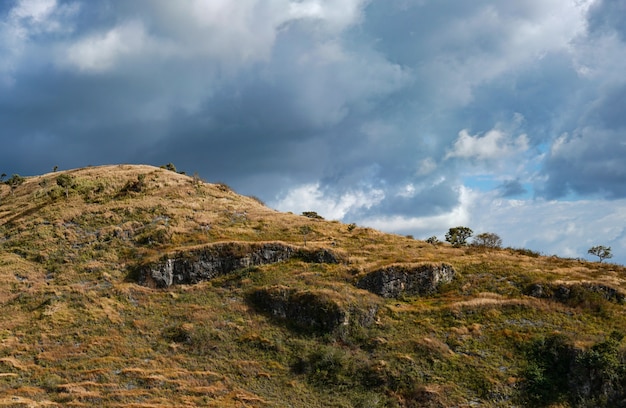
15, 181
312, 214
559, 372
433, 240
169, 166
66, 182
525, 252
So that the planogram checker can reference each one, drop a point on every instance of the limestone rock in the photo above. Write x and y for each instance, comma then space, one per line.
411, 279
210, 261
319, 310
575, 292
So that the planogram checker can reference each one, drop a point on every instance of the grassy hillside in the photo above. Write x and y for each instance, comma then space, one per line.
77, 329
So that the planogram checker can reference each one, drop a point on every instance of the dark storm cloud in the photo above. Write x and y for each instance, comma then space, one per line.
372, 109
608, 15
511, 188
590, 162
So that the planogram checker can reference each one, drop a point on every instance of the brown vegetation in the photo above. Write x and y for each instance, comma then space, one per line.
77, 328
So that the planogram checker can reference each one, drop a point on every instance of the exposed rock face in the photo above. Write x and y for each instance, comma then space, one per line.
412, 279
582, 377
315, 311
206, 263
567, 293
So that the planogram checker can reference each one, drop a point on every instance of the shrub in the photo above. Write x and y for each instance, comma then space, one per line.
433, 240
66, 182
559, 372
525, 251
312, 214
169, 166
134, 186
223, 187
15, 181
351, 227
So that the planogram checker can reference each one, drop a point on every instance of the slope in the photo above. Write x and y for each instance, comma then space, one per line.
138, 286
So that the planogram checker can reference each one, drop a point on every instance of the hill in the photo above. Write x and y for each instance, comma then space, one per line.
136, 286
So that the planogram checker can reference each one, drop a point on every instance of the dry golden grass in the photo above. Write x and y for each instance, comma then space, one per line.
75, 331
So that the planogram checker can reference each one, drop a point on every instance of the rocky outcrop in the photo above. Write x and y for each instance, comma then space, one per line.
575, 292
580, 377
210, 261
321, 311
407, 280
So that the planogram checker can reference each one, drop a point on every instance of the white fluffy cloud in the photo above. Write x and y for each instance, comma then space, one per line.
100, 52
230, 33
311, 197
24, 22
494, 145
395, 112
497, 38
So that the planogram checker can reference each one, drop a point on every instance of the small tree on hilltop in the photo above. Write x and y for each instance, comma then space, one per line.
458, 236
487, 240
601, 251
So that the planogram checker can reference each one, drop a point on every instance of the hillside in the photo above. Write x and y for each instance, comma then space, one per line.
136, 286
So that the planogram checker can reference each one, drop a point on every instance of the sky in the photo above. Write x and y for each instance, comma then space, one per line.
409, 116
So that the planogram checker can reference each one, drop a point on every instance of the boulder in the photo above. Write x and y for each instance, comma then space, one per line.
407, 279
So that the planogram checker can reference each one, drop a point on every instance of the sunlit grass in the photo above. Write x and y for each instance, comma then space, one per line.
76, 331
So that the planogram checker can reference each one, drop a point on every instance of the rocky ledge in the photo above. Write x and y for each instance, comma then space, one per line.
398, 280
321, 310
207, 262
575, 292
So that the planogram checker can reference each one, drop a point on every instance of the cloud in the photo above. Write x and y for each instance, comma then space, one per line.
396, 111
589, 162
606, 15
568, 228
100, 52
511, 188
494, 145
429, 225
311, 197
26, 22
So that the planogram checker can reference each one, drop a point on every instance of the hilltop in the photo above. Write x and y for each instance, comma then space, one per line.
137, 286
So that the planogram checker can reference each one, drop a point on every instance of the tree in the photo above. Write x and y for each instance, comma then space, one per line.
487, 240
601, 252
65, 181
2, 176
458, 236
